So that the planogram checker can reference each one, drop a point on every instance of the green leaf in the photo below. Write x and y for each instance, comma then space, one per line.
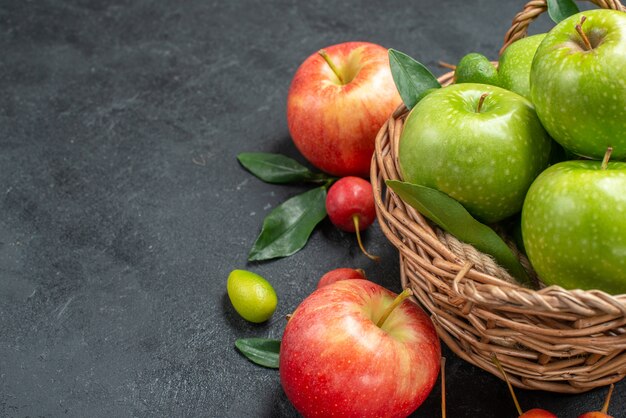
412, 79
262, 351
561, 9
277, 168
287, 227
452, 217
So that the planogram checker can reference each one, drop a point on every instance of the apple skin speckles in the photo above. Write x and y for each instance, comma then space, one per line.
574, 228
485, 160
580, 95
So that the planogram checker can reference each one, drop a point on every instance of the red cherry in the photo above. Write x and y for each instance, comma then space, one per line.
537, 413
348, 197
340, 274
350, 206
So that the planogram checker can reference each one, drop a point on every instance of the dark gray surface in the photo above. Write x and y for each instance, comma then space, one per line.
123, 209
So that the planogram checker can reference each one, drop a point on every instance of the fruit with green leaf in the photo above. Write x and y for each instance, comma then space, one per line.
338, 100
252, 296
350, 207
515, 62
356, 349
481, 145
578, 83
574, 225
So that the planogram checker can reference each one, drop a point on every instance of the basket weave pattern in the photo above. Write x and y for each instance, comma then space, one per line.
552, 339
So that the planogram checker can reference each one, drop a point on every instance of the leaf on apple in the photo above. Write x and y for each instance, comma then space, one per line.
561, 9
278, 169
413, 80
288, 226
452, 217
262, 351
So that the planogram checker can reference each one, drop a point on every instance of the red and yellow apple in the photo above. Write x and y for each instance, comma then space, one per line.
341, 355
338, 100
342, 273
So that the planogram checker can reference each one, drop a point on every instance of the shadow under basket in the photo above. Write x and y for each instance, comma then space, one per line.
566, 341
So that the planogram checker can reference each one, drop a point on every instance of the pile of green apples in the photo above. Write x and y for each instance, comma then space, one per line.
544, 136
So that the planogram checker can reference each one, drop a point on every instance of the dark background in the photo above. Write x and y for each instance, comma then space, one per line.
123, 208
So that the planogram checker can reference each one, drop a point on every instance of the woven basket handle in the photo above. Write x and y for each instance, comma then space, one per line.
532, 9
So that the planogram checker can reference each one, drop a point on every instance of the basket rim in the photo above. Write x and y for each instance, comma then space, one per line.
534, 8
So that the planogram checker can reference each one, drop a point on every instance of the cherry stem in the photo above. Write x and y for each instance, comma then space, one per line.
583, 35
605, 407
396, 302
443, 387
506, 379
481, 100
607, 156
355, 219
331, 64
361, 272
446, 65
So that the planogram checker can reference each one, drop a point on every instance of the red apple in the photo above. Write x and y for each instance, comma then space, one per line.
355, 349
342, 273
337, 102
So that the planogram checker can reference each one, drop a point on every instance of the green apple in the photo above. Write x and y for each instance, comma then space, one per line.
515, 63
578, 83
482, 152
476, 68
574, 225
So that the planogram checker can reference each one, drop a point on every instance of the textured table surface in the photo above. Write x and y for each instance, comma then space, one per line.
123, 208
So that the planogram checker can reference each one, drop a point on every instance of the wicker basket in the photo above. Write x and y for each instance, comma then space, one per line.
567, 341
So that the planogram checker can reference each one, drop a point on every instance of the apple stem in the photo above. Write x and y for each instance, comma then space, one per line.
396, 302
331, 64
506, 379
443, 387
583, 35
607, 156
355, 219
481, 100
605, 407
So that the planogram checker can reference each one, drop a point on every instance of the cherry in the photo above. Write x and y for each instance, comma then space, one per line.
603, 412
531, 413
350, 206
341, 274
537, 413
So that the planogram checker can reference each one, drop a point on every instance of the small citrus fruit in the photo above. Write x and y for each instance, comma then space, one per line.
251, 295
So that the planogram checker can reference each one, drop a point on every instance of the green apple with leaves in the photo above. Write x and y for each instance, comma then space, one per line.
578, 83
574, 225
481, 145
515, 62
